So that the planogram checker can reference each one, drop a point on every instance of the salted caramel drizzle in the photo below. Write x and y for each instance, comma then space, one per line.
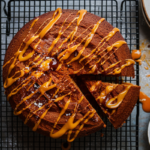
24, 83
136, 54
57, 14
93, 87
45, 65
71, 35
89, 115
109, 48
103, 95
66, 39
19, 54
128, 63
90, 36
35, 20
117, 45
120, 97
17, 89
8, 62
111, 66
66, 53
60, 114
110, 35
41, 117
145, 100
60, 33
70, 124
34, 112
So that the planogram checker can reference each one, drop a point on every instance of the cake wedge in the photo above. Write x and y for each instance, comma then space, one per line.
116, 100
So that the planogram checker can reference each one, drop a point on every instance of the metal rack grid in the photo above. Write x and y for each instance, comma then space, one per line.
17, 136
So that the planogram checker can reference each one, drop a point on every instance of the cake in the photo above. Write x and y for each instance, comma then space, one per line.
42, 57
116, 100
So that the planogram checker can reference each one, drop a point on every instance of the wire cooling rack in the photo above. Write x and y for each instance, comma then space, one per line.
14, 135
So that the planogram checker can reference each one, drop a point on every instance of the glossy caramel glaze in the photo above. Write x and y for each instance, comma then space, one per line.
145, 100
136, 54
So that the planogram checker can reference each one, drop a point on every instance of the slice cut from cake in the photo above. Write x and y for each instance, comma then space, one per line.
116, 100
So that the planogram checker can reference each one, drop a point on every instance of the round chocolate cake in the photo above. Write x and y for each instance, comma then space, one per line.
42, 57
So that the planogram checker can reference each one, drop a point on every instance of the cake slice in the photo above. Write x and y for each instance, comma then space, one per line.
116, 100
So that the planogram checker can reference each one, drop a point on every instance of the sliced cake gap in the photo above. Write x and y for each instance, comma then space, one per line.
82, 86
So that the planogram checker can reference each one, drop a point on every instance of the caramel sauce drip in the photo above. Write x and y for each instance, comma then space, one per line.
81, 14
111, 66
19, 54
103, 95
90, 36
145, 100
118, 44
97, 49
118, 70
136, 54
45, 66
148, 75
46, 86
8, 62
93, 87
60, 33
70, 124
146, 68
120, 97
139, 61
57, 14
41, 117
89, 115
